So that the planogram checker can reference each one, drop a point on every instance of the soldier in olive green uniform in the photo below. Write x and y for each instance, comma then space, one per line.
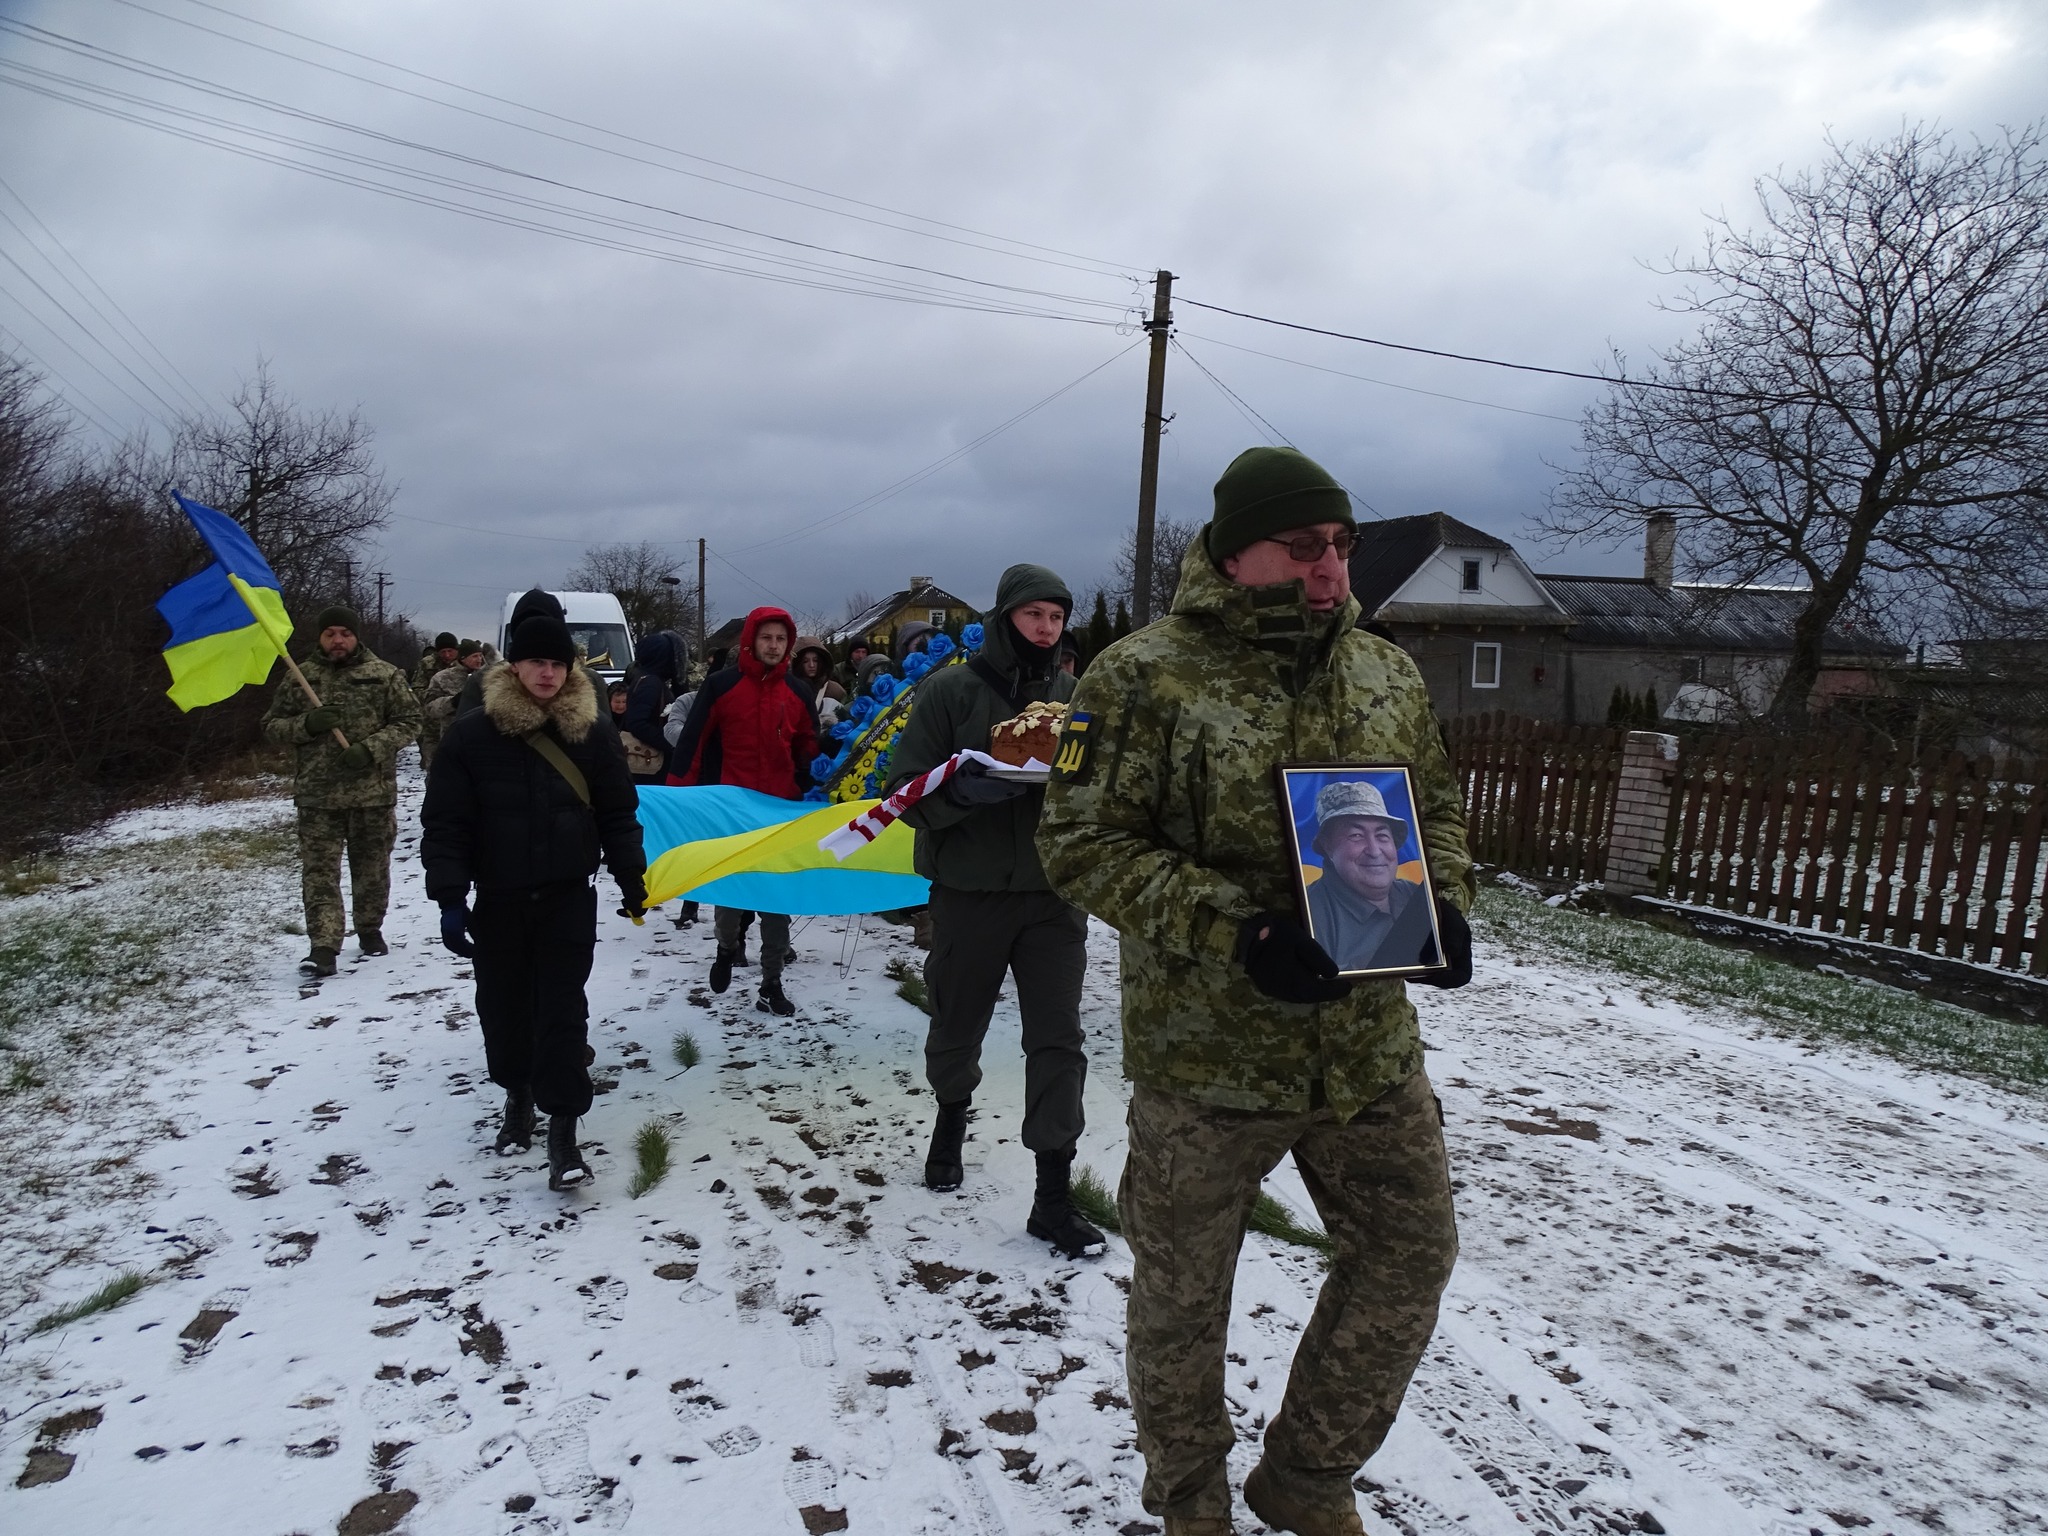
1240, 1040
347, 797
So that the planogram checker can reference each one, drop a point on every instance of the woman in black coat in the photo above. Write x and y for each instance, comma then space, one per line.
525, 796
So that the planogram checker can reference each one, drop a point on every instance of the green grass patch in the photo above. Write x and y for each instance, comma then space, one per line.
1094, 1201
652, 1155
1786, 999
105, 1299
685, 1051
21, 1076
909, 984
1273, 1217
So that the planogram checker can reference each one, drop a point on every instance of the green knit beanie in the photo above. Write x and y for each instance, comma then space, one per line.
1270, 490
338, 614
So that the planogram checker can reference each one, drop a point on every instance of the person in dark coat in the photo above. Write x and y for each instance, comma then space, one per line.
752, 726
525, 796
993, 913
660, 663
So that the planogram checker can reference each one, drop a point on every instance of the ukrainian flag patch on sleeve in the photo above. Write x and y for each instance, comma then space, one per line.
1076, 751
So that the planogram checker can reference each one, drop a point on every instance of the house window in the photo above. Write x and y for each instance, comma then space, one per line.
1468, 580
1485, 664
936, 617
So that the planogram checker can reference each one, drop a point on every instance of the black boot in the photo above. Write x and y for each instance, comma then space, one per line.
516, 1131
566, 1168
371, 942
320, 962
721, 970
770, 998
1053, 1216
688, 916
942, 1170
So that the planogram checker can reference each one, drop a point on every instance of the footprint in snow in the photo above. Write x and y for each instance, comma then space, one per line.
604, 1300
197, 1337
812, 1484
560, 1453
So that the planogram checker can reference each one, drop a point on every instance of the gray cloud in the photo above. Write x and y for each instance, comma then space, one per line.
1474, 176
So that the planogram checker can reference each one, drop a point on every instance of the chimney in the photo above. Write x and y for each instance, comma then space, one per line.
919, 583
1660, 549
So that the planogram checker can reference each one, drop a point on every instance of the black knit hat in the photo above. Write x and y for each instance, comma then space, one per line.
445, 641
338, 615
1270, 490
542, 638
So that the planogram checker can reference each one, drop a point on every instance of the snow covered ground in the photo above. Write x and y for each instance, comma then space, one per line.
1713, 1281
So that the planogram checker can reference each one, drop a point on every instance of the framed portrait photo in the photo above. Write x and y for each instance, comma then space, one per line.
1361, 881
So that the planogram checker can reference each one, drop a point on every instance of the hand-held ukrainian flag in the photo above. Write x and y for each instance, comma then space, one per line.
228, 623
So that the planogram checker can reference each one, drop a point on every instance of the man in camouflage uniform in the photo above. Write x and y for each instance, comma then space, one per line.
437, 658
437, 699
1241, 1041
347, 796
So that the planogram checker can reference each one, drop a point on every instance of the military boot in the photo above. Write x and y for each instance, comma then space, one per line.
721, 970
1053, 1217
772, 999
1264, 1496
371, 942
566, 1168
516, 1130
942, 1170
320, 962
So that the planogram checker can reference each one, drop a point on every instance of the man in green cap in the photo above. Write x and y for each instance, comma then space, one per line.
992, 912
347, 795
1241, 1042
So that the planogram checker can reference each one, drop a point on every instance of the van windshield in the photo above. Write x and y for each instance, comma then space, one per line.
604, 646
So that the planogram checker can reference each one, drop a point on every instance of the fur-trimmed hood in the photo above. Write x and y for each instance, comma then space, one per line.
515, 712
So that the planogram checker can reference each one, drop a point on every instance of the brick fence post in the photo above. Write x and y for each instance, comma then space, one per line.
1642, 813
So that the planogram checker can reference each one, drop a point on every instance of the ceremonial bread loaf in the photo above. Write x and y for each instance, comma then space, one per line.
1032, 735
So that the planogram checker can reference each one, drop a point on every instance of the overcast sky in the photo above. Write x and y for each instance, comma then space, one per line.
1478, 177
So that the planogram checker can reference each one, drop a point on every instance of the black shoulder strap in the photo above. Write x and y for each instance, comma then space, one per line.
550, 749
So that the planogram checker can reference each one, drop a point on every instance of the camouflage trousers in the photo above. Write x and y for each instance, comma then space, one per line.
1382, 1187
367, 833
428, 738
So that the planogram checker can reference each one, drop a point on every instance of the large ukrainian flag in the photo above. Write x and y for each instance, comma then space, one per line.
738, 848
228, 623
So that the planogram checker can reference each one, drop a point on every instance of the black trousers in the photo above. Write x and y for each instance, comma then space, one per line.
533, 954
977, 937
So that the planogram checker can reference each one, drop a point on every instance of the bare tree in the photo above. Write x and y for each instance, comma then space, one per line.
1865, 407
1170, 541
304, 484
649, 583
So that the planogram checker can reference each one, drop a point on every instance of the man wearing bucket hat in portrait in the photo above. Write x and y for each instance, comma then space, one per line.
1366, 917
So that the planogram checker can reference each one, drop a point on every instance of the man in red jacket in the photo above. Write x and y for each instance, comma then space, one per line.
752, 725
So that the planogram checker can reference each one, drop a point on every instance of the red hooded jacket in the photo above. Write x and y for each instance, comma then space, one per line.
751, 725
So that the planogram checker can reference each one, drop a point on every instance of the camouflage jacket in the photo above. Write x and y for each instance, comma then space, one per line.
423, 672
1163, 820
377, 709
438, 702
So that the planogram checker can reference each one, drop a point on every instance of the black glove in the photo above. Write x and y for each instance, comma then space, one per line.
455, 928
971, 787
1284, 962
633, 900
356, 756
321, 720
1450, 922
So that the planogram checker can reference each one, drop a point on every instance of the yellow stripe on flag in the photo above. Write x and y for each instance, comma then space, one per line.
789, 847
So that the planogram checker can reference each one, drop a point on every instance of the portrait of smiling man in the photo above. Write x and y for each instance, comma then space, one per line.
1361, 911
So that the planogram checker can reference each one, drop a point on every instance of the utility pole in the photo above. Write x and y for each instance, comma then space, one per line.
383, 581
1148, 469
701, 630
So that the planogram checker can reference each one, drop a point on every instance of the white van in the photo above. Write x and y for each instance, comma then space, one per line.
596, 622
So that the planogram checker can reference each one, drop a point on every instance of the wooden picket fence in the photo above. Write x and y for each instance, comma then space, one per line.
1538, 796
1849, 835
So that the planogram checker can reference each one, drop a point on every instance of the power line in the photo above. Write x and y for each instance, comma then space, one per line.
862, 284
1470, 357
1102, 266
70, 394
866, 503
62, 341
185, 80
1434, 394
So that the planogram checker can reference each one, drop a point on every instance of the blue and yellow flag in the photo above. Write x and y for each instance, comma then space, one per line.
740, 848
228, 623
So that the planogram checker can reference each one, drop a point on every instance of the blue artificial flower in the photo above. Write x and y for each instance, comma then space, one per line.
916, 665
862, 712
820, 766
883, 687
939, 648
817, 796
844, 732
869, 789
972, 636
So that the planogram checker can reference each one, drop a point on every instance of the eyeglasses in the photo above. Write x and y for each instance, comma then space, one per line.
1307, 548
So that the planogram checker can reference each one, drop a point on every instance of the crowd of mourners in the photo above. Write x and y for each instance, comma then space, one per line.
1242, 1039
